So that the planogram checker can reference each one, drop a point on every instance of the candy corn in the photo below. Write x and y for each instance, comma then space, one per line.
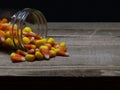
30, 46
2, 36
20, 52
37, 47
4, 20
29, 57
52, 53
40, 42
51, 40
31, 39
27, 29
31, 34
45, 51
39, 55
26, 40
17, 58
48, 45
62, 53
31, 51
9, 42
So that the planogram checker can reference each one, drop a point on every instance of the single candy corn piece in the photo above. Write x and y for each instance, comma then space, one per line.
62, 44
17, 58
9, 42
52, 53
40, 42
29, 57
10, 34
31, 34
21, 52
63, 48
27, 34
30, 46
37, 49
49, 45
5, 26
7, 34
12, 54
44, 40
51, 40
62, 53
31, 39
26, 40
31, 51
16, 41
27, 29
4, 20
45, 51
15, 27
35, 35
43, 47
53, 48
38, 55
2, 36
56, 49
56, 45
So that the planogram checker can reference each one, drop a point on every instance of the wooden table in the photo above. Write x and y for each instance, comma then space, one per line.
94, 51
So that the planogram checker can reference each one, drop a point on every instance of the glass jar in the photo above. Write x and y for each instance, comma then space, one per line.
27, 18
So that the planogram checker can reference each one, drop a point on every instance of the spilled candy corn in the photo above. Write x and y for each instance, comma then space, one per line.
38, 47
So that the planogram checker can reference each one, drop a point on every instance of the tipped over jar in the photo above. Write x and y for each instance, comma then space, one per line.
22, 28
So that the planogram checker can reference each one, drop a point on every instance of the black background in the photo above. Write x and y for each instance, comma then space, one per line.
73, 10
66, 11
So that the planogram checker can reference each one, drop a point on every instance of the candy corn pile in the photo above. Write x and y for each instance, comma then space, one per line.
38, 48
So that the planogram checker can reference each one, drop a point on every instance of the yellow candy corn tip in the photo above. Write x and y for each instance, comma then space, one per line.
56, 50
53, 52
38, 55
7, 34
29, 57
43, 47
63, 44
52, 48
27, 29
51, 40
9, 42
44, 40
39, 43
33, 46
26, 40
16, 41
12, 54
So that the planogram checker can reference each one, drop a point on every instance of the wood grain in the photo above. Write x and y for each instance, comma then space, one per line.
94, 51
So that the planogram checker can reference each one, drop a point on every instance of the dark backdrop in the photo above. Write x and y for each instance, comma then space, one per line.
73, 10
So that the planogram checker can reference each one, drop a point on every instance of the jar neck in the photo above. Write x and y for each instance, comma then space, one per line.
28, 17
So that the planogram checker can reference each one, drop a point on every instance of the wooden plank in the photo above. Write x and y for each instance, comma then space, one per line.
94, 51
84, 25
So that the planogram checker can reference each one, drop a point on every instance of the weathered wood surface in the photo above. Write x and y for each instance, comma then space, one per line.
94, 51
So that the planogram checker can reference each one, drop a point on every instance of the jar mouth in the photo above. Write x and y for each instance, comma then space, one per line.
28, 17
